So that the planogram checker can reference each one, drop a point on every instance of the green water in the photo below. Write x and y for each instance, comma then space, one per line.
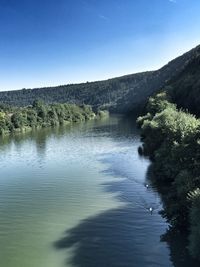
75, 196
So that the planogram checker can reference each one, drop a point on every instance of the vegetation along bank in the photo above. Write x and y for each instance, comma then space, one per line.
20, 119
171, 138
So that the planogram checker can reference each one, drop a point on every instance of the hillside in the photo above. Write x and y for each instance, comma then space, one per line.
118, 95
185, 87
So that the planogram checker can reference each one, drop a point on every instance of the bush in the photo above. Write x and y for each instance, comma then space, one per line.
171, 138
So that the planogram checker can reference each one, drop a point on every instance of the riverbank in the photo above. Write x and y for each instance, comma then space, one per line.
40, 115
171, 138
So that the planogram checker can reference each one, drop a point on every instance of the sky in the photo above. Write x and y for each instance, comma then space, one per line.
54, 42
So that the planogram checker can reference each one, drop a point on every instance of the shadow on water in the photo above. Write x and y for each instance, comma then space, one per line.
126, 236
113, 238
176, 240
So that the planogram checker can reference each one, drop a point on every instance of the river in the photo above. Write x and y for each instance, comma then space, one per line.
76, 196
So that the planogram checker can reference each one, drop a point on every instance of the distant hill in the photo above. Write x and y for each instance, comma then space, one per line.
120, 94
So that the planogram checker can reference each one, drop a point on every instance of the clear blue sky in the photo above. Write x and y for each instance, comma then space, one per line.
52, 42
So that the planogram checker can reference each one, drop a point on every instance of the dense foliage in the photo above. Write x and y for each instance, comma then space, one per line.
172, 139
118, 95
14, 119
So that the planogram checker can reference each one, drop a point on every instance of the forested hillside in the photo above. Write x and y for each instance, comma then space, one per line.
119, 94
185, 87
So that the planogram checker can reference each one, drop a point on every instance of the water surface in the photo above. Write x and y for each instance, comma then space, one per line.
76, 196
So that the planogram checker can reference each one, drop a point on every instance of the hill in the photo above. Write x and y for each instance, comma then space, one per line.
184, 88
120, 94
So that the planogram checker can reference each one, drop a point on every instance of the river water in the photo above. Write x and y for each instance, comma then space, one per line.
76, 196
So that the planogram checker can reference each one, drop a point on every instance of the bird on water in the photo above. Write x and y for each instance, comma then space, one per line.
151, 210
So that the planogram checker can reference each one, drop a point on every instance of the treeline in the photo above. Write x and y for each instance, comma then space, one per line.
171, 138
115, 94
14, 119
119, 95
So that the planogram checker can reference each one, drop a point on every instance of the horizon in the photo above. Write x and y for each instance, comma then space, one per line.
61, 42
